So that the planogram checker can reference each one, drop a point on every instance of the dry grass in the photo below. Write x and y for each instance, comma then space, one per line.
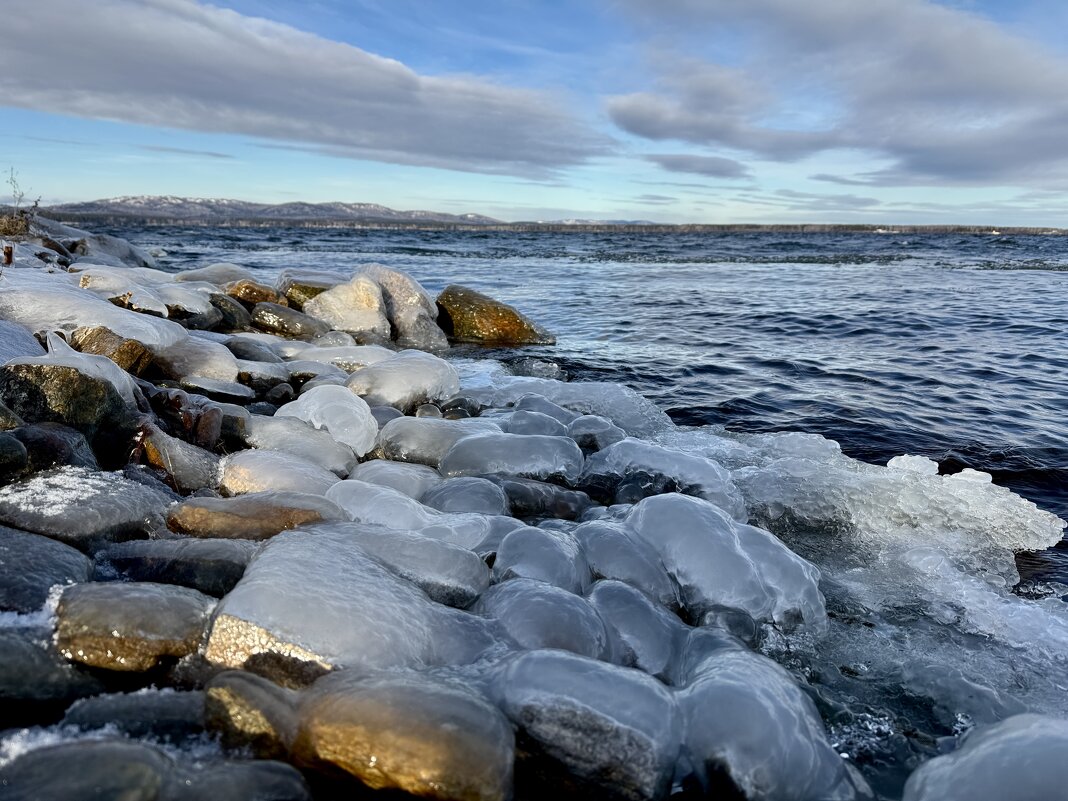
14, 225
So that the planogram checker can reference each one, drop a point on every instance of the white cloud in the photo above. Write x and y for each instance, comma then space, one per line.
183, 64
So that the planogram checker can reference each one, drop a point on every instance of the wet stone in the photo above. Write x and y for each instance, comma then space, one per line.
30, 565
8, 419
300, 287
529, 498
166, 715
469, 316
216, 389
252, 351
187, 467
13, 457
36, 682
287, 322
550, 556
211, 566
129, 354
54, 445
250, 712
383, 414
255, 516
233, 316
253, 292
593, 433
130, 627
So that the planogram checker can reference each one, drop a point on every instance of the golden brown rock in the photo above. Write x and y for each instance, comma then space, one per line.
129, 354
253, 292
255, 516
411, 733
469, 316
248, 711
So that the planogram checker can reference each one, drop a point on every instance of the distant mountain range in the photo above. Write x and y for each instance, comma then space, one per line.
220, 211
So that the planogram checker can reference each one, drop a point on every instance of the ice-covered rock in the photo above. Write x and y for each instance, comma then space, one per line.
533, 402
210, 566
426, 440
321, 600
250, 712
612, 551
1019, 759
748, 721
409, 307
82, 507
129, 626
606, 731
346, 417
414, 480
253, 516
528, 498
550, 556
412, 733
291, 434
187, 467
467, 494
538, 615
646, 635
632, 469
405, 380
534, 456
449, 574
170, 716
289, 322
347, 357
61, 354
526, 422
129, 354
262, 470
594, 433
31, 564
720, 564
17, 342
194, 356
220, 272
356, 307
300, 286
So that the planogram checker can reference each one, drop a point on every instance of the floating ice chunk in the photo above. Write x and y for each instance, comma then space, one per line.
293, 435
321, 599
467, 494
747, 719
414, 480
356, 307
502, 454
915, 464
449, 574
550, 556
405, 380
647, 636
41, 304
346, 417
632, 469
425, 440
721, 564
1019, 759
195, 356
347, 357
622, 405
261, 470
614, 552
614, 731
538, 615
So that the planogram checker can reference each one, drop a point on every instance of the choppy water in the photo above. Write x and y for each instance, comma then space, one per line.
954, 347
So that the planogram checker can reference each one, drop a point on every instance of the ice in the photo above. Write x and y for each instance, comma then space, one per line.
533, 456
616, 732
356, 307
17, 342
647, 636
293, 435
746, 718
46, 303
414, 480
194, 356
523, 422
632, 469
99, 247
220, 272
405, 380
721, 564
410, 308
467, 494
529, 499
1019, 759
116, 284
190, 298
542, 405
60, 353
550, 556
82, 507
538, 615
622, 405
346, 417
449, 574
593, 433
425, 440
261, 470
347, 357
322, 599
614, 552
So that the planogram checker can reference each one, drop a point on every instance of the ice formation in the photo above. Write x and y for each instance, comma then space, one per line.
550, 556
294, 435
414, 480
260, 470
426, 440
405, 380
346, 417
529, 456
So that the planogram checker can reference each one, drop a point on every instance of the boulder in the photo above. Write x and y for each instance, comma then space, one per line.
249, 712
287, 322
129, 354
211, 566
254, 516
30, 565
355, 307
469, 316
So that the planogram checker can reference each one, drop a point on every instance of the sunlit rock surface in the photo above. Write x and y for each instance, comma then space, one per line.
356, 307
253, 516
470, 316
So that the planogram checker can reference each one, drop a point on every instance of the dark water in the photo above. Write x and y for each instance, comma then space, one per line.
953, 347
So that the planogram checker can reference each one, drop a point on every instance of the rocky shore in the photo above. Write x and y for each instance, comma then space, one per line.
273, 540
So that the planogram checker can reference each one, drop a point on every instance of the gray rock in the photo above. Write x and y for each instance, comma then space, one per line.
13, 457
35, 680
167, 715
30, 565
210, 566
53, 445
594, 433
233, 316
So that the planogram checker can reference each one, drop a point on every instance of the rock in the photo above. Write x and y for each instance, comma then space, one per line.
550, 556
411, 733
614, 552
469, 316
427, 410
355, 307
130, 627
405, 381
591, 728
534, 456
36, 682
218, 390
197, 357
248, 711
301, 286
30, 565
203, 321
83, 508
167, 715
426, 440
1018, 759
187, 467
54, 445
263, 470
252, 292
467, 494
8, 419
528, 498
287, 322
348, 358
13, 457
533, 402
647, 636
280, 394
210, 566
189, 417
410, 309
129, 354
594, 433
252, 351
291, 434
414, 480
233, 315
383, 414
526, 422
253, 516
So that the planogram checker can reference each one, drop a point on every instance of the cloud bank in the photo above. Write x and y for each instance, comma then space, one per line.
183, 64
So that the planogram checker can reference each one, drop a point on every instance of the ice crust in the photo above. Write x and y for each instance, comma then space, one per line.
405, 380
414, 480
526, 456
300, 438
261, 470
62, 354
347, 418
426, 440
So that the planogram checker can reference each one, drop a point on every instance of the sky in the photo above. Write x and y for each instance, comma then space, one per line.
689, 111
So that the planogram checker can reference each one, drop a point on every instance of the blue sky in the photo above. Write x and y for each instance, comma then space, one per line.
878, 111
